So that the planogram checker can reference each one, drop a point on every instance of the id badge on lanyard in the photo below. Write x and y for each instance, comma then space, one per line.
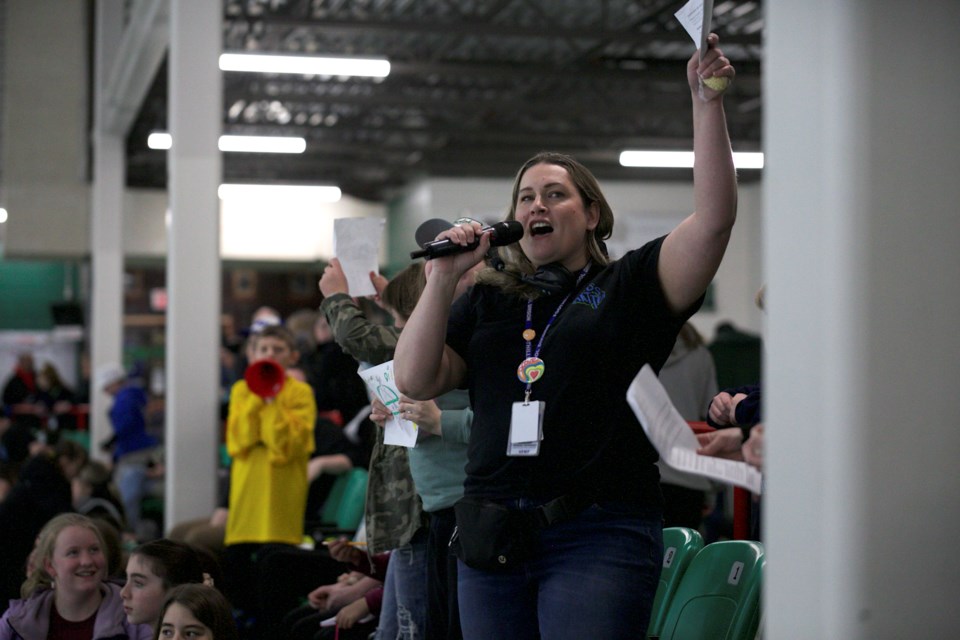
526, 418
526, 429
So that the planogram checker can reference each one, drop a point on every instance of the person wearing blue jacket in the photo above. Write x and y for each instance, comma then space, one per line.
133, 447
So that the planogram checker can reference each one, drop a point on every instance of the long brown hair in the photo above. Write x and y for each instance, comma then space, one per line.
403, 291
515, 262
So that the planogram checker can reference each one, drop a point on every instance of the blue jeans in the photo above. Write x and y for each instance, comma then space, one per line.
132, 483
403, 615
593, 576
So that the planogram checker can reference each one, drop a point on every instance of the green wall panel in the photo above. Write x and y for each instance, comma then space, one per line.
27, 289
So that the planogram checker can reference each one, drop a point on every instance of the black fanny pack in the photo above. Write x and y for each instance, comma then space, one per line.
492, 537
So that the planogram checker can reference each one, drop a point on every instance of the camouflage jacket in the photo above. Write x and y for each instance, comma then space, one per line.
393, 510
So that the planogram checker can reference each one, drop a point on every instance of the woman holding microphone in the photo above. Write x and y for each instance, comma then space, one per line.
559, 530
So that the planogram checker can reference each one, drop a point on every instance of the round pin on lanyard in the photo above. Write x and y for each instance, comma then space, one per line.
530, 370
532, 367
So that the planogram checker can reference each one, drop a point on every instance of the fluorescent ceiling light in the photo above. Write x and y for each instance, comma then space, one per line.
3, 215
748, 159
253, 144
305, 65
263, 144
159, 140
684, 159
276, 194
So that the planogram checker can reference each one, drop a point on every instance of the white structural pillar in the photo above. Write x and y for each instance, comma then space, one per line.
193, 261
106, 224
862, 253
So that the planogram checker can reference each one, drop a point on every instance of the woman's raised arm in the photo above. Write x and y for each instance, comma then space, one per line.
692, 252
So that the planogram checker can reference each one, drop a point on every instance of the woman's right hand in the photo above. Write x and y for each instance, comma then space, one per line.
379, 413
459, 263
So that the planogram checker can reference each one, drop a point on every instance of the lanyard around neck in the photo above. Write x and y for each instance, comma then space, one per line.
531, 355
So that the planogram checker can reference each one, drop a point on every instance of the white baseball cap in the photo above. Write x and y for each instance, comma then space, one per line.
107, 374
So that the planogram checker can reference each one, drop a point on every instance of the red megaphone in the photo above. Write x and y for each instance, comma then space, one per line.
265, 378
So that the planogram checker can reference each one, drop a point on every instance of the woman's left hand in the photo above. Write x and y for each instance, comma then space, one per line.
701, 73
425, 413
333, 280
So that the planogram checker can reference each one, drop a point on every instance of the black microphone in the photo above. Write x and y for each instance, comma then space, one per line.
501, 233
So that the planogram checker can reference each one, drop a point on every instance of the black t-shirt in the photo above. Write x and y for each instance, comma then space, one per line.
615, 321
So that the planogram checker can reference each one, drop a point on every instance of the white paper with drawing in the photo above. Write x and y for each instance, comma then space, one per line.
356, 244
675, 441
380, 382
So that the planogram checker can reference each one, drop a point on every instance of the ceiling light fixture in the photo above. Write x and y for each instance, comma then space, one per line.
305, 65
263, 144
684, 159
252, 144
276, 193
160, 140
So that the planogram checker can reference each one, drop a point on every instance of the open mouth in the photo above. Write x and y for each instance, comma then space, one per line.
540, 228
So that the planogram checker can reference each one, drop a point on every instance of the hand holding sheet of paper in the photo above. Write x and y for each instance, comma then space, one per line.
696, 17
356, 243
673, 439
380, 382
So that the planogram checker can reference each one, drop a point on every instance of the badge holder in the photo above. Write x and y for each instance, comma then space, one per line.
526, 428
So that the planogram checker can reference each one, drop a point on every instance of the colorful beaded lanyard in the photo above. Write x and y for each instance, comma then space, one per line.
532, 367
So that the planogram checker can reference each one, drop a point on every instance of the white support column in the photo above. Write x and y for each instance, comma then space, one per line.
862, 249
193, 262
106, 225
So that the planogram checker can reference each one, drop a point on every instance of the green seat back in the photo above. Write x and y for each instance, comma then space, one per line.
719, 594
680, 545
328, 514
350, 510
80, 437
225, 459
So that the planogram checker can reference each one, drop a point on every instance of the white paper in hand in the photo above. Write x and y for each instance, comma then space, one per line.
356, 243
380, 382
673, 439
696, 17
332, 620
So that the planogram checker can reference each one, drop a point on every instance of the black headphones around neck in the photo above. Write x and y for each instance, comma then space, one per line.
551, 279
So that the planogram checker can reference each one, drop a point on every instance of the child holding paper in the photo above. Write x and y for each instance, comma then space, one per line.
435, 464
